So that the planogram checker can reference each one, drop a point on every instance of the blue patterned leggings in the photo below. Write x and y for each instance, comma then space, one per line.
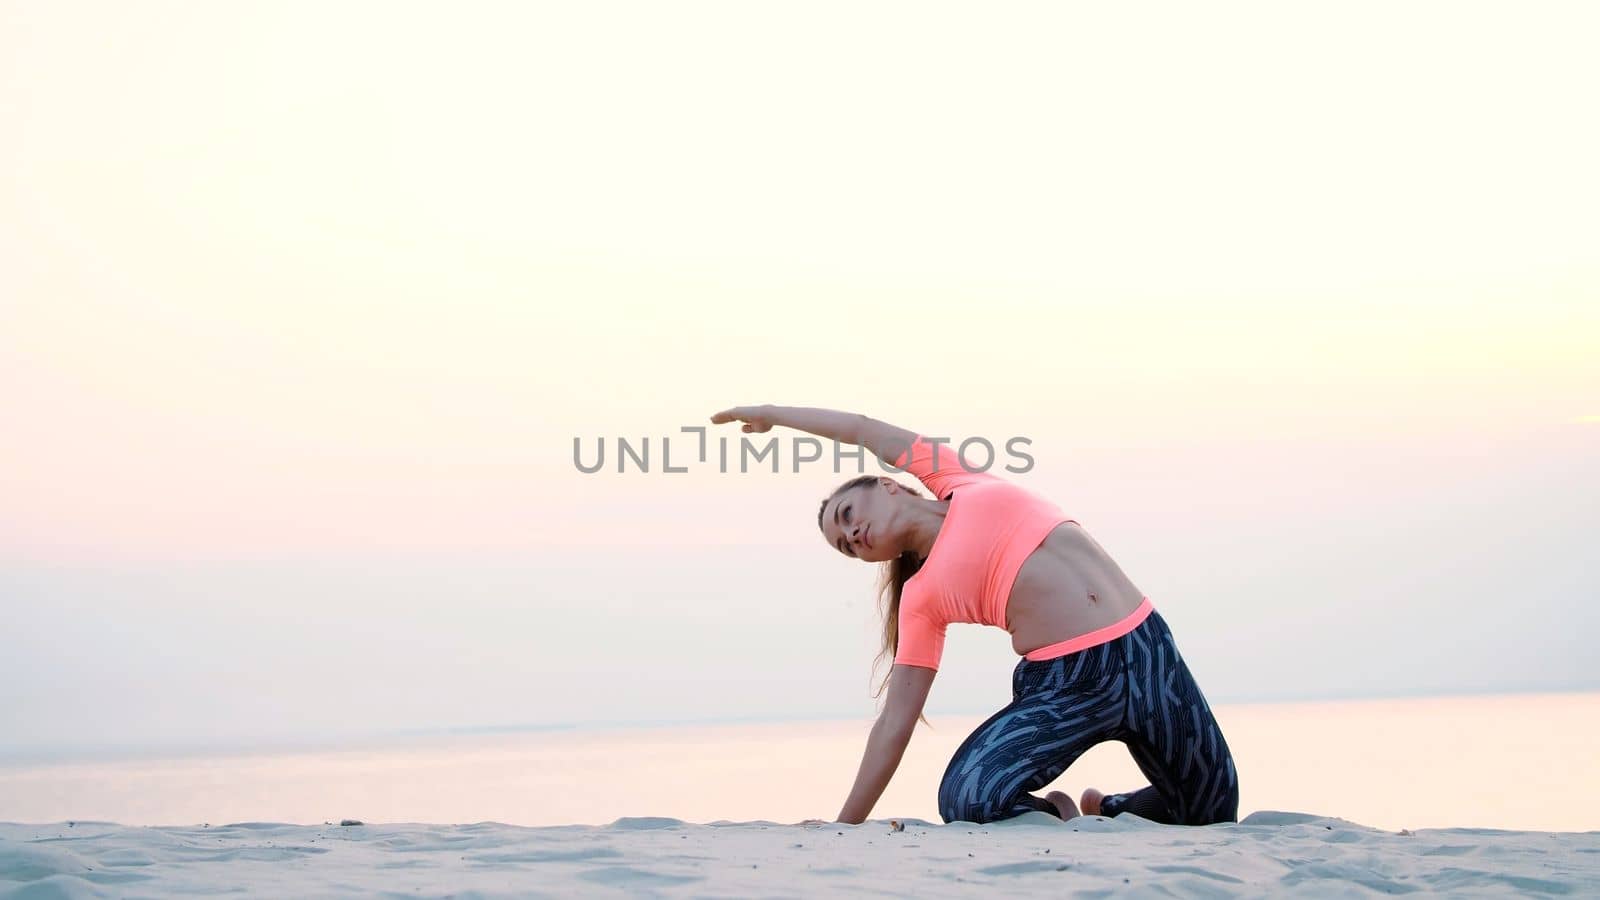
1135, 689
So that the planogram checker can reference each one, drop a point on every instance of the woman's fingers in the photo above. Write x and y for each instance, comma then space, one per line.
746, 414
754, 421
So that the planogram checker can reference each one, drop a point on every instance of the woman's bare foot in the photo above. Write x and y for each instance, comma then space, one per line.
1091, 801
1064, 804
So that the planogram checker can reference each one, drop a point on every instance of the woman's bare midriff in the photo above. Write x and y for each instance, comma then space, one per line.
1068, 586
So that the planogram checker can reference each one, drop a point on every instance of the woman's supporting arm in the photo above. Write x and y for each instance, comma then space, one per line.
885, 441
908, 693
885, 747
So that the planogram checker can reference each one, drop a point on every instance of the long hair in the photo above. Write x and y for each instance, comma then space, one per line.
891, 583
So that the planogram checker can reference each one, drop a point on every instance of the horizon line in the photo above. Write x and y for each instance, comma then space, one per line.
245, 745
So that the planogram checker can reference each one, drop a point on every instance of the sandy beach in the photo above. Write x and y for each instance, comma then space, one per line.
1269, 853
697, 811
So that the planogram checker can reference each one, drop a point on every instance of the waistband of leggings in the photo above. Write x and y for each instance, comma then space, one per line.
1094, 638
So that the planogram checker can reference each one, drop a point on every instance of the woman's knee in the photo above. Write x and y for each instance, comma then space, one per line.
1215, 807
1227, 808
959, 801
973, 811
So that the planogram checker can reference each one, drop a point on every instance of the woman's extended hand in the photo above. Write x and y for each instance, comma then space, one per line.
756, 419
812, 822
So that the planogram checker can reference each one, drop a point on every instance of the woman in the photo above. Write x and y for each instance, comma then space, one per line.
1098, 663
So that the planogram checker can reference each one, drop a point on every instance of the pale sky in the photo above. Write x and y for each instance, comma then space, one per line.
302, 306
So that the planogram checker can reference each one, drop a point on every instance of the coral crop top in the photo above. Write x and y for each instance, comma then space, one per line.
991, 528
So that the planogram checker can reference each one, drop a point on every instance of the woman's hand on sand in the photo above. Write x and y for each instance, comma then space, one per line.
812, 822
756, 419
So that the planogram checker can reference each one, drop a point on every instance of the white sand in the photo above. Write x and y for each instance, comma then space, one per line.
1268, 853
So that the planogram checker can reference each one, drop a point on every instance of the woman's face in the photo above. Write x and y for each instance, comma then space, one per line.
863, 522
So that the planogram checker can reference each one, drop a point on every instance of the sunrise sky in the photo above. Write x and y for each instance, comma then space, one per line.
303, 305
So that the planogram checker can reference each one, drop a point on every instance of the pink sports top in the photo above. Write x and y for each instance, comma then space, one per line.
991, 528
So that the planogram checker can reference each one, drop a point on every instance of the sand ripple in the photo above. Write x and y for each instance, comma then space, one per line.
1269, 853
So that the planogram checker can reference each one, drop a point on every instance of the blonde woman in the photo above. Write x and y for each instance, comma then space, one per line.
1098, 662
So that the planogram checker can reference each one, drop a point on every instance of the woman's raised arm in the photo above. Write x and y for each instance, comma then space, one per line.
885, 441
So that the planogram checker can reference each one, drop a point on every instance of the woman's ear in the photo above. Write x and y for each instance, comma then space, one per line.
889, 484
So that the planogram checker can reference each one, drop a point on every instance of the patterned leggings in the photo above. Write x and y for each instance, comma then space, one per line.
1135, 689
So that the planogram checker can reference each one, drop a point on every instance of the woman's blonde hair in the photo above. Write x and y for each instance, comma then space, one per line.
891, 584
